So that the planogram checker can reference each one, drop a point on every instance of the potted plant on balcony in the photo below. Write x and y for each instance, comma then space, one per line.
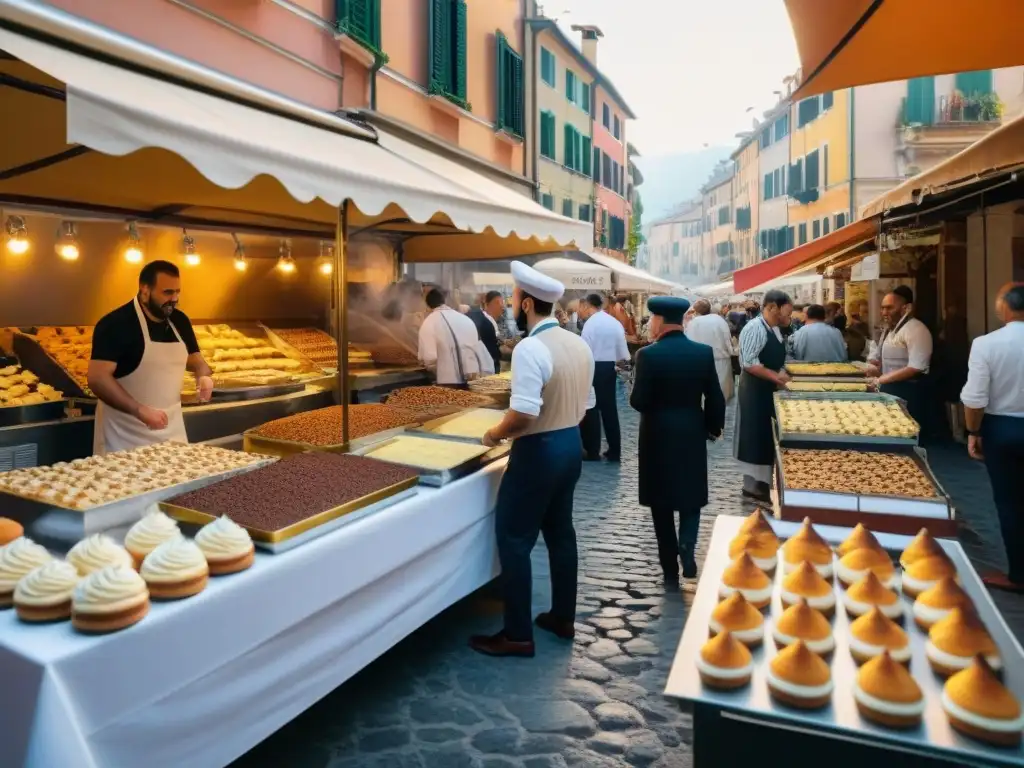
972, 108
990, 107
956, 107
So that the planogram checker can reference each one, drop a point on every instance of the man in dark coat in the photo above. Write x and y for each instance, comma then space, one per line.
486, 318
681, 407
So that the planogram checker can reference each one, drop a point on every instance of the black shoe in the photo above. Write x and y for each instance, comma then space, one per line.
558, 627
499, 645
591, 457
757, 496
689, 566
671, 579
615, 458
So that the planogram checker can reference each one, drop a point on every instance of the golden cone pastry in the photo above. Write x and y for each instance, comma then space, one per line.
799, 677
925, 573
961, 633
737, 616
758, 545
945, 594
886, 693
756, 523
869, 592
801, 622
923, 545
854, 564
805, 581
807, 545
979, 705
725, 662
743, 575
859, 538
873, 633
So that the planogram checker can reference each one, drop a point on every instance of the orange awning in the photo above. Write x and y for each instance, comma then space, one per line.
1000, 151
843, 43
809, 255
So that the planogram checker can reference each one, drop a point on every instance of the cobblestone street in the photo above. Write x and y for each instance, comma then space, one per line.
433, 703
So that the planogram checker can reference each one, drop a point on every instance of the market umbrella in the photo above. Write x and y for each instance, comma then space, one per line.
843, 43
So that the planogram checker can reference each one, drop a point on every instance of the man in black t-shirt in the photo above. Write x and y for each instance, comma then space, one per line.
140, 352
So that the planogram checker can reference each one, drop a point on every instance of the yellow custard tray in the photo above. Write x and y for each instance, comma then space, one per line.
311, 527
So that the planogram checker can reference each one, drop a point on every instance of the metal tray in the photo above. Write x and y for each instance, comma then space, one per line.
826, 437
38, 360
15, 415
439, 477
938, 508
862, 372
60, 527
269, 446
233, 394
934, 738
429, 429
294, 530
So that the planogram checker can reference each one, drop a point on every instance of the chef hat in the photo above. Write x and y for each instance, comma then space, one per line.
670, 308
537, 284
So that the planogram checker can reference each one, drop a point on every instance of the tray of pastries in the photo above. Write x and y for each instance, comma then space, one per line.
388, 353
871, 480
24, 398
59, 355
233, 354
438, 461
825, 386
825, 369
433, 398
880, 419
899, 646
319, 347
469, 425
298, 497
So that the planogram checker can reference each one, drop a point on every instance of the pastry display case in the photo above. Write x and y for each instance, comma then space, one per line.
437, 461
844, 418
318, 347
298, 498
25, 397
498, 387
741, 725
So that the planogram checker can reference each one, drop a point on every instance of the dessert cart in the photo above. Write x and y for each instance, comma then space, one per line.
746, 726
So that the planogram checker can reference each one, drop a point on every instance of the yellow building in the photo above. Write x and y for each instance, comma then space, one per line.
746, 186
718, 238
818, 182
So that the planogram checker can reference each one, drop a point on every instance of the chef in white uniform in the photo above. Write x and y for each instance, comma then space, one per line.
140, 353
450, 346
904, 354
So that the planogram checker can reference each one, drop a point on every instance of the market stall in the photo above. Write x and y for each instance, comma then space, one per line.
576, 275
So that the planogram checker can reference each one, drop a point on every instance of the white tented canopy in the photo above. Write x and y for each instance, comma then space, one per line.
791, 281
632, 279
493, 279
711, 290
576, 275
153, 139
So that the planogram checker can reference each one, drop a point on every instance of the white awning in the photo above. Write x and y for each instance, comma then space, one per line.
125, 116
791, 281
711, 290
490, 279
629, 278
576, 275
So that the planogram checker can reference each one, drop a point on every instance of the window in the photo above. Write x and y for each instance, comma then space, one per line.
796, 177
789, 241
825, 225
569, 147
585, 97
584, 212
803, 233
570, 85
766, 138
606, 117
548, 201
675, 249
510, 88
448, 50
919, 106
597, 165
547, 135
585, 155
824, 167
743, 218
616, 233
567, 207
974, 83
617, 128
811, 167
806, 111
606, 171
360, 20
827, 100
782, 127
840, 220
768, 193
724, 215
815, 229
777, 183
547, 67
781, 186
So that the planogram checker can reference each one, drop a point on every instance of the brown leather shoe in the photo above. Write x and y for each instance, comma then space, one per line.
499, 645
563, 629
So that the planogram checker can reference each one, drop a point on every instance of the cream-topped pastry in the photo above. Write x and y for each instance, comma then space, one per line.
936, 603
920, 547
227, 546
925, 573
854, 565
860, 538
799, 677
762, 548
956, 639
17, 559
742, 576
870, 593
176, 568
738, 617
886, 693
807, 545
109, 599
44, 594
873, 633
97, 551
801, 622
148, 533
806, 583
725, 662
980, 706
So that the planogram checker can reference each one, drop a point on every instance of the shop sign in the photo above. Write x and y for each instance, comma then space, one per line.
583, 282
867, 269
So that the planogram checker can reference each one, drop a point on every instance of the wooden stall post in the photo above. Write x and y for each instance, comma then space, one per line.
341, 315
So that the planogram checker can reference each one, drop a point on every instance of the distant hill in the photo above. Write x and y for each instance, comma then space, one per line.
672, 179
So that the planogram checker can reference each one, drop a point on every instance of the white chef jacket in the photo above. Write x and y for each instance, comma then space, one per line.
909, 345
606, 338
437, 345
532, 368
712, 330
995, 372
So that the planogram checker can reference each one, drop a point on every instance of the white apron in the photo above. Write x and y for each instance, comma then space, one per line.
156, 383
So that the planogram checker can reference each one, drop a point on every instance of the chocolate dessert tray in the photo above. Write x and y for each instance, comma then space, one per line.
826, 437
435, 428
431, 475
733, 727
59, 527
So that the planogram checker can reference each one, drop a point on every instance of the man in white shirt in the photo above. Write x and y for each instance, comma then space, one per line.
993, 401
552, 370
449, 345
903, 357
710, 328
607, 341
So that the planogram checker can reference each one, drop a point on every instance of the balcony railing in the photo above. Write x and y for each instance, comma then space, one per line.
955, 109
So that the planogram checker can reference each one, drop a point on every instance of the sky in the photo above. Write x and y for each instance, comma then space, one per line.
689, 69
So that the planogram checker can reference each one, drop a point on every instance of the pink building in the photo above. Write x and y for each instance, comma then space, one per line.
611, 163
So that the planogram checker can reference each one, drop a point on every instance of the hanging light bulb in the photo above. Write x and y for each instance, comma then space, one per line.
285, 262
188, 249
325, 264
241, 263
17, 235
67, 242
133, 251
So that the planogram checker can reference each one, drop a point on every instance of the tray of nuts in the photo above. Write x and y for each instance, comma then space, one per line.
320, 429
431, 397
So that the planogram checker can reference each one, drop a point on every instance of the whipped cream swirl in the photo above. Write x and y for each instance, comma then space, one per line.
223, 539
111, 589
152, 530
96, 552
50, 584
17, 559
174, 560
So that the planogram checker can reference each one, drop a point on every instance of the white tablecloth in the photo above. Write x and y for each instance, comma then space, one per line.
200, 681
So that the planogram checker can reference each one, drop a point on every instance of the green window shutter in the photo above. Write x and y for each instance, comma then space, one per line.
597, 165
586, 154
585, 97
547, 135
509, 68
840, 220
460, 50
974, 83
920, 104
567, 207
811, 170
815, 229
827, 100
570, 146
826, 224
824, 168
547, 66
440, 46
501, 64
570, 85
360, 19
803, 233
580, 157
768, 186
